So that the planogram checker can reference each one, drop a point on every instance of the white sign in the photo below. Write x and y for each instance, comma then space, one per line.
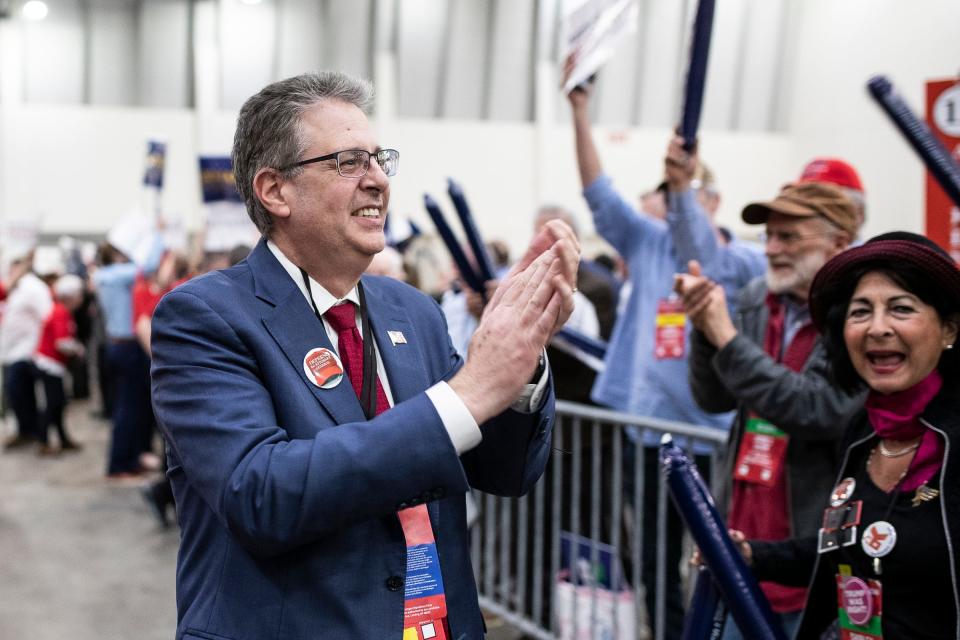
228, 226
590, 32
19, 237
946, 111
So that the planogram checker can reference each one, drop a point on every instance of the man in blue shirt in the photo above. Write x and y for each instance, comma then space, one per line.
127, 364
646, 367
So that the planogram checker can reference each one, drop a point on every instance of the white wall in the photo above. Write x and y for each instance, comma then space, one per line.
843, 43
80, 167
53, 56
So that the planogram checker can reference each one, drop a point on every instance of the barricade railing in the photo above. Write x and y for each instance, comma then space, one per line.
566, 560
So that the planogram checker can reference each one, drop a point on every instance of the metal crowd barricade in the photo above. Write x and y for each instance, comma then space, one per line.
593, 490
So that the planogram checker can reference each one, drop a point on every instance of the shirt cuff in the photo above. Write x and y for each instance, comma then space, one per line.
531, 397
457, 420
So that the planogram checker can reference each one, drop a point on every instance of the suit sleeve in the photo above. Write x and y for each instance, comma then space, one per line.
273, 492
513, 453
276, 493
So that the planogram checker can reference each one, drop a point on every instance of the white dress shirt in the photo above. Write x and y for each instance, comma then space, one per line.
27, 307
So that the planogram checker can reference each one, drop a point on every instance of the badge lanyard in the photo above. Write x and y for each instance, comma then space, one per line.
368, 396
886, 521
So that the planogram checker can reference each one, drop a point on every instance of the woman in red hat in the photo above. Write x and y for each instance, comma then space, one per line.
885, 562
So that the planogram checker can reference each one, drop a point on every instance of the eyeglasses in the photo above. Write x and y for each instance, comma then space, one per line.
791, 238
354, 163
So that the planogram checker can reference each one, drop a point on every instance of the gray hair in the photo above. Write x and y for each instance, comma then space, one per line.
549, 212
268, 129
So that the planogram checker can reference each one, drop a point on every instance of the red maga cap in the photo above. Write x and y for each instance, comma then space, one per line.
832, 170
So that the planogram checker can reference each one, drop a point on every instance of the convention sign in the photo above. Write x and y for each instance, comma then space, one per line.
943, 117
227, 222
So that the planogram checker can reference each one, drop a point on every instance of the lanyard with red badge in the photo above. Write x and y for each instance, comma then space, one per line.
671, 324
762, 452
424, 602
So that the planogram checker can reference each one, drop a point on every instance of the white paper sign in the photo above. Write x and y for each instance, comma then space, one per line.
228, 226
590, 31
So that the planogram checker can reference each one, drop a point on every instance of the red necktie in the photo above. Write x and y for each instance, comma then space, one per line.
414, 520
343, 319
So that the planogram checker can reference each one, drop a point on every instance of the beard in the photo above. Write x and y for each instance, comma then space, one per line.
800, 275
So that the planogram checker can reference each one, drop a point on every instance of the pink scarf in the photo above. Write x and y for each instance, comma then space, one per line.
897, 415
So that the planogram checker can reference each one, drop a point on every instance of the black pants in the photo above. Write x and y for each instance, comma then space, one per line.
19, 379
132, 412
56, 402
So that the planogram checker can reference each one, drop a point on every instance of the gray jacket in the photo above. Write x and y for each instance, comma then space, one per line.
806, 405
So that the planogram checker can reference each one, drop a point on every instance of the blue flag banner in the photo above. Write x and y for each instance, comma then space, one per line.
216, 180
227, 223
156, 157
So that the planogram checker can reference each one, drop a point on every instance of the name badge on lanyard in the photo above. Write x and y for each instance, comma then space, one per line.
670, 340
424, 603
859, 607
763, 450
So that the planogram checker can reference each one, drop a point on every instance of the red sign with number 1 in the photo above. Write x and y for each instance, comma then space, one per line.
943, 117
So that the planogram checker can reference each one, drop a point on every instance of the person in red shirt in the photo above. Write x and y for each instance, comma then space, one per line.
173, 271
58, 343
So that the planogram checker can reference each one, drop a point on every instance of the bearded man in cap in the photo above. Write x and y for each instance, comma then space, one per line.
770, 365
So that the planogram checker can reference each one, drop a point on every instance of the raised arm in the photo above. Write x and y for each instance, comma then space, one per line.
588, 160
695, 237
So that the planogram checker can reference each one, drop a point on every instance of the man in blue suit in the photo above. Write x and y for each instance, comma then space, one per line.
322, 432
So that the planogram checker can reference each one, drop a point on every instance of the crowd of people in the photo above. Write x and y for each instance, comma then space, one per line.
829, 361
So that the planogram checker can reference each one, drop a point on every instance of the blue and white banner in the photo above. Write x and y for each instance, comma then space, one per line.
227, 222
156, 158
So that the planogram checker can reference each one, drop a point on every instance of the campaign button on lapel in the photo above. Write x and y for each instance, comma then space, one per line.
842, 492
879, 539
322, 367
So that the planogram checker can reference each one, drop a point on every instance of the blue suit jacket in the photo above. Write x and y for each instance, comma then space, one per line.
286, 494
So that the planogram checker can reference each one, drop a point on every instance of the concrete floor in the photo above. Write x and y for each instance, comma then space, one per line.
82, 558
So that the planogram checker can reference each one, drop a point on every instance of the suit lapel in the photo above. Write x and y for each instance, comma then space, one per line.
292, 323
402, 362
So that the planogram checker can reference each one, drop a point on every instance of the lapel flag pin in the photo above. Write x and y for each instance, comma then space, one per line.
397, 337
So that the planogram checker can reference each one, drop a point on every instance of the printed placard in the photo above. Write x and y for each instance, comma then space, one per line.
762, 453
424, 603
671, 330
859, 608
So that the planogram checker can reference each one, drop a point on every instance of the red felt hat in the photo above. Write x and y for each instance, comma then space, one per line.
833, 171
886, 250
